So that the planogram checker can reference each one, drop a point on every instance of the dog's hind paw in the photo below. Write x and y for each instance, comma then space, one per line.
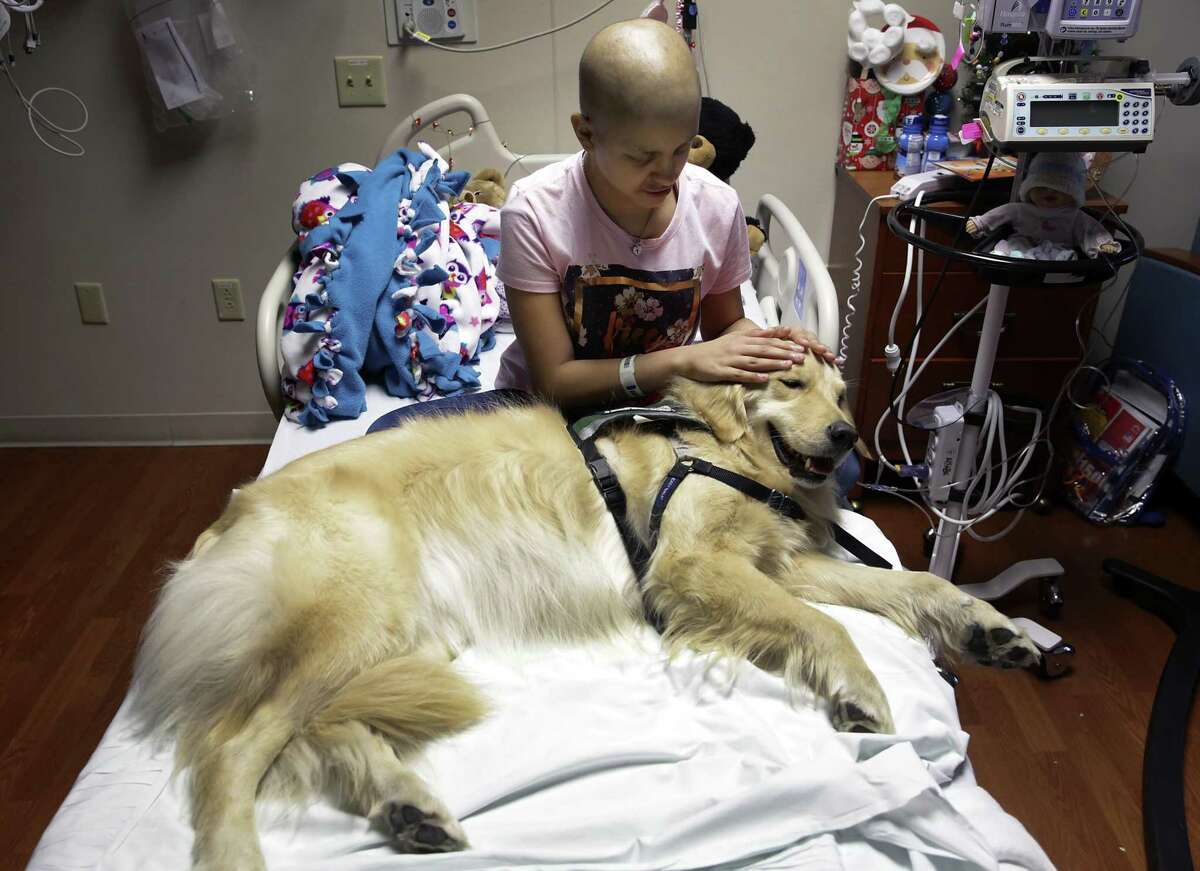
858, 715
1003, 646
418, 830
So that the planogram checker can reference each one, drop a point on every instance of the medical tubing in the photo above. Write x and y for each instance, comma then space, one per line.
991, 502
942, 275
912, 359
892, 491
936, 348
35, 116
995, 492
908, 262
856, 278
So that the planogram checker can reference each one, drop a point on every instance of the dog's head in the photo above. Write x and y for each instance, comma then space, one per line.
798, 420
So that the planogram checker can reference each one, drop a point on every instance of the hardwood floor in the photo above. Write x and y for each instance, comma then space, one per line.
1065, 756
84, 534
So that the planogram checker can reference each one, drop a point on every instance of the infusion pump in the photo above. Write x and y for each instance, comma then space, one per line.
1041, 112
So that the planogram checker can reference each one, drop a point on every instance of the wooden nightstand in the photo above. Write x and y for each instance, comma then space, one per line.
1037, 349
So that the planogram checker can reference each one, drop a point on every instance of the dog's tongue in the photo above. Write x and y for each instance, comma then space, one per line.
819, 465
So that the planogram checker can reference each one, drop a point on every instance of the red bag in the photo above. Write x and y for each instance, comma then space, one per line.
870, 117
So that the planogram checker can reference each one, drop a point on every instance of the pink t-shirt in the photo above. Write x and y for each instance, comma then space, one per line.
555, 238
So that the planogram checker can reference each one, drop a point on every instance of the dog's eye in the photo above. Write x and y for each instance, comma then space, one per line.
795, 385
842, 398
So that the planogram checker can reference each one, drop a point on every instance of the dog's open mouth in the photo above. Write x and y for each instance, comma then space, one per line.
801, 466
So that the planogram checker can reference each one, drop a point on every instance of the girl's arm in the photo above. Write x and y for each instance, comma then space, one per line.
736, 355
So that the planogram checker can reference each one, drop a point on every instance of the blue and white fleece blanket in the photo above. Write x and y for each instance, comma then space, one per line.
393, 282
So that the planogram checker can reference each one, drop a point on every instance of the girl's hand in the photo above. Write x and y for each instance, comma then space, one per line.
801, 337
743, 357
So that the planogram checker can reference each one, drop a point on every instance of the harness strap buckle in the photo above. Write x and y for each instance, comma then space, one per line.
606, 480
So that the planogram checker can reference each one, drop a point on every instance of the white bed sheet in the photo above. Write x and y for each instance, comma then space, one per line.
610, 757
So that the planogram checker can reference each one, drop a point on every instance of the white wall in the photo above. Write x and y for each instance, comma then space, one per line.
156, 216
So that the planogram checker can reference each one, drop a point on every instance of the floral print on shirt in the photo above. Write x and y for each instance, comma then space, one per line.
615, 310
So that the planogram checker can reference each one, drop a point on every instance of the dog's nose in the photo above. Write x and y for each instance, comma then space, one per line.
842, 434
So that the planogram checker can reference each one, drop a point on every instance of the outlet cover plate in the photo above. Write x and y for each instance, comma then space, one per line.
92, 308
227, 294
360, 80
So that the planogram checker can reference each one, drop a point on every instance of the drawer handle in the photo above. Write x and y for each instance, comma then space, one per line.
979, 333
954, 385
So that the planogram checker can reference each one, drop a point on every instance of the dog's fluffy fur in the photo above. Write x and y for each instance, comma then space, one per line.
304, 644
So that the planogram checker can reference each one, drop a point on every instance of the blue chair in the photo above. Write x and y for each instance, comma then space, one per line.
1161, 325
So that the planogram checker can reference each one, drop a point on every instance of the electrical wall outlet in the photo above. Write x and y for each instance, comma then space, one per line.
227, 294
451, 21
360, 80
90, 296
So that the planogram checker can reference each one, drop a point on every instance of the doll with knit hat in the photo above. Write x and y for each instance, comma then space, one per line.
1049, 221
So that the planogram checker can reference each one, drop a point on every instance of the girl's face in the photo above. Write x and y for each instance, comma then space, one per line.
638, 161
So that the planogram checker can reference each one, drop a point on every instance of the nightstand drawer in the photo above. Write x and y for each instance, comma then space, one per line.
893, 252
1036, 322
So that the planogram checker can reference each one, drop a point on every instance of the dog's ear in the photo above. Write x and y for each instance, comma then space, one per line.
721, 406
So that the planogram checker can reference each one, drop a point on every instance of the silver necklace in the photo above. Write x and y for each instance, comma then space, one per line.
636, 248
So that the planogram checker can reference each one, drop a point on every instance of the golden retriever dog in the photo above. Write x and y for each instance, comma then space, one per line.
305, 645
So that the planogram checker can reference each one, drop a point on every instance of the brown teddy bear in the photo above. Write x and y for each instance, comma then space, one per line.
702, 152
485, 186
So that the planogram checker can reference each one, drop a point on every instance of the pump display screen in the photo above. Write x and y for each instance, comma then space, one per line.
1074, 113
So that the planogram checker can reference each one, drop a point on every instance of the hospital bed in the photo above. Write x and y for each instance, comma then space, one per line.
608, 756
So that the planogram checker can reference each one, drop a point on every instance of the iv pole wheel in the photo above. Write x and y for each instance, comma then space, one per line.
1056, 662
1050, 597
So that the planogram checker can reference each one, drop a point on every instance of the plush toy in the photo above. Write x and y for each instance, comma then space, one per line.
754, 235
485, 186
720, 146
702, 152
939, 100
1048, 222
723, 140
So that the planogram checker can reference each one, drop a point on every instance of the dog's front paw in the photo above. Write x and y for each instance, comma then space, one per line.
417, 830
1001, 645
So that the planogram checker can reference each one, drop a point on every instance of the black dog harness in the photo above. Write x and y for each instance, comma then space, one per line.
665, 416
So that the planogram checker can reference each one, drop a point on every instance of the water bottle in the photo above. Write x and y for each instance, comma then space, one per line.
910, 142
936, 142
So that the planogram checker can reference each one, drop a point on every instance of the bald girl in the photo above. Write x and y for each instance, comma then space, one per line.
639, 100
605, 309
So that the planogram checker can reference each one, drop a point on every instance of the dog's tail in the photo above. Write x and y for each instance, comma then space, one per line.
409, 700
200, 649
